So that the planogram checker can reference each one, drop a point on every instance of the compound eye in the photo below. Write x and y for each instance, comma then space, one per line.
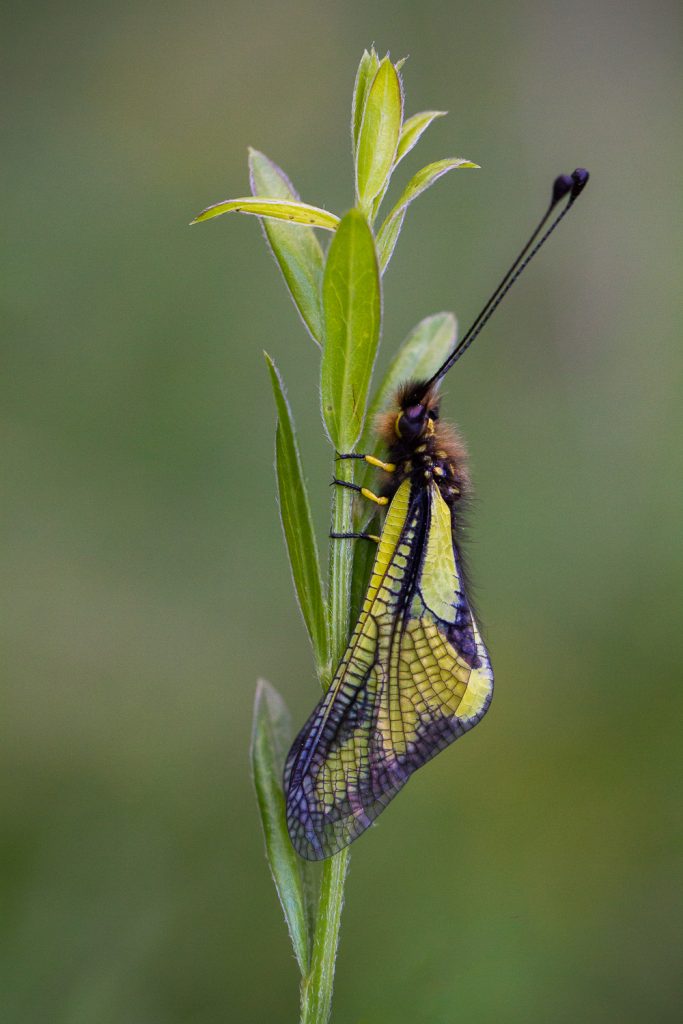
411, 422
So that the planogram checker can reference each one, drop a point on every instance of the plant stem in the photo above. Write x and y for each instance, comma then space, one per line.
316, 987
341, 563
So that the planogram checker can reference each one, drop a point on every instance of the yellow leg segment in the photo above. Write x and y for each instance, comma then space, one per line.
388, 467
378, 499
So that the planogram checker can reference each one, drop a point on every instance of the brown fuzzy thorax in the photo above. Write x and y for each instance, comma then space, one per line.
438, 454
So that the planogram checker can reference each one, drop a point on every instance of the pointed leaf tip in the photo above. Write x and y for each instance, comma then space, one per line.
413, 129
367, 70
419, 183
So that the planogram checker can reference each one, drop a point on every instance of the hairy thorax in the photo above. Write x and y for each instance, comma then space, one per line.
438, 456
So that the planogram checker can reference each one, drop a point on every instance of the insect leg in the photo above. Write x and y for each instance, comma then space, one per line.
388, 467
378, 499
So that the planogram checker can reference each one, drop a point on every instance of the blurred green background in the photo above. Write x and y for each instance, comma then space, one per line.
531, 873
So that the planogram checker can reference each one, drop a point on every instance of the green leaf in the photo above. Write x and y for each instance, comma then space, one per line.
367, 69
297, 523
377, 201
379, 133
270, 740
295, 213
387, 238
296, 249
412, 131
352, 307
388, 233
424, 350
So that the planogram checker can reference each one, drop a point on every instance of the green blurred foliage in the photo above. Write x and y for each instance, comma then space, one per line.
531, 873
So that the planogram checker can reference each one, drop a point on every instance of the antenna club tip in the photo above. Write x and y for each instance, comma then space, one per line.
562, 184
579, 180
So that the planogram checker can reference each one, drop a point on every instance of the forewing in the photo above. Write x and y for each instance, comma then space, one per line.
335, 774
414, 677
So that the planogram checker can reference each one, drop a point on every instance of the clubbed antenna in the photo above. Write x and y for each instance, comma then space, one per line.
566, 184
